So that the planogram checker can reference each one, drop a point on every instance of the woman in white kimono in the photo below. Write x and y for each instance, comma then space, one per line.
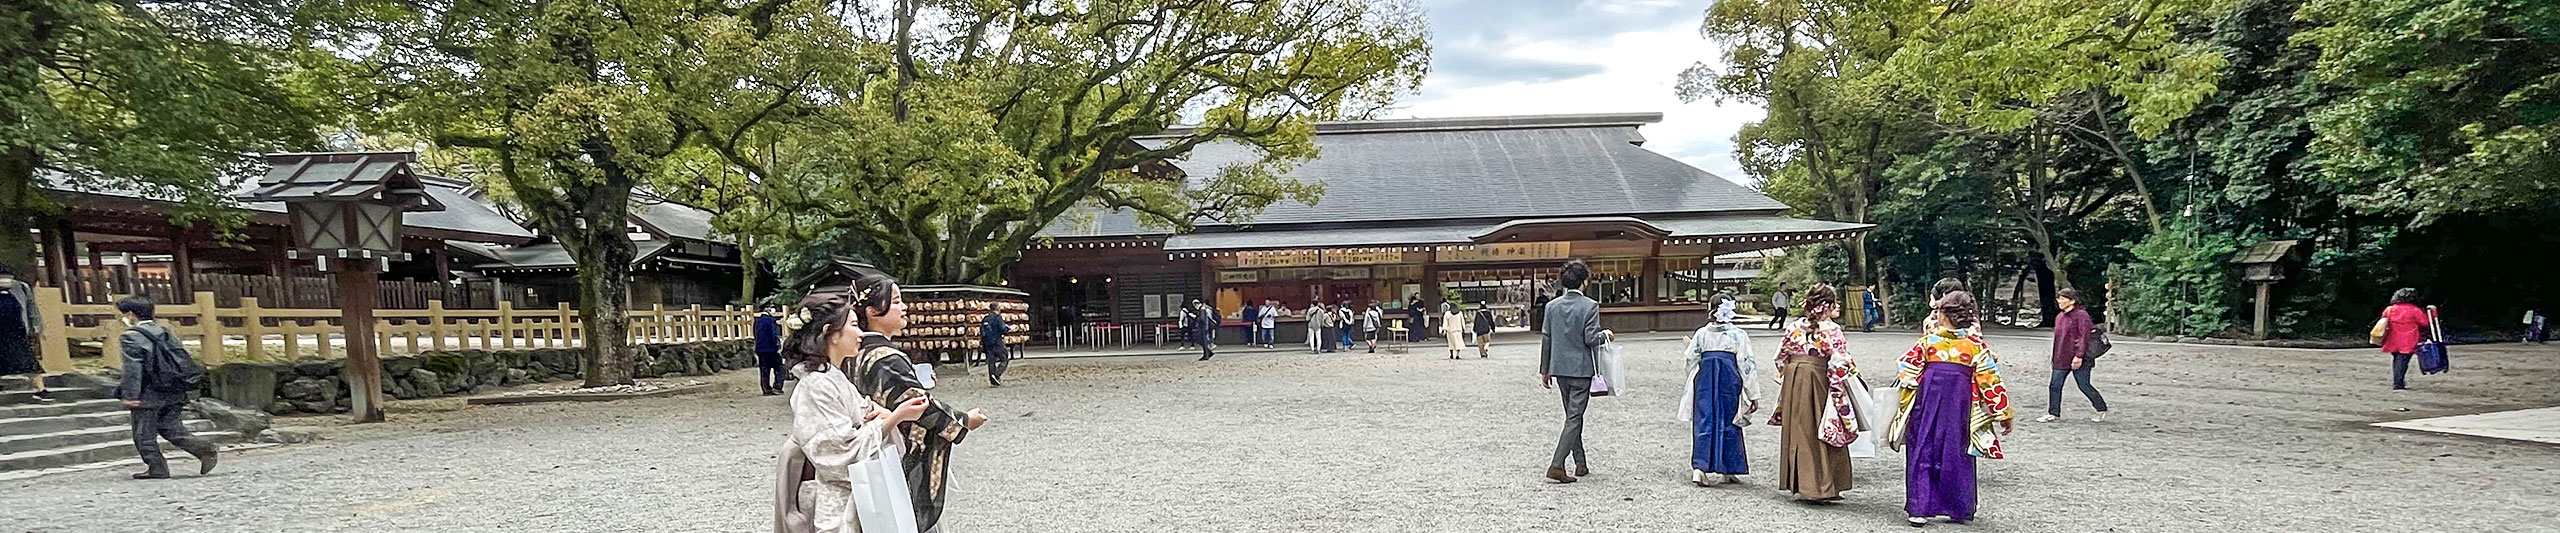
1723, 391
832, 427
1453, 326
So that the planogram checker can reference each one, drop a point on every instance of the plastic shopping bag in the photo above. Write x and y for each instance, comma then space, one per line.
881, 503
1611, 362
1873, 415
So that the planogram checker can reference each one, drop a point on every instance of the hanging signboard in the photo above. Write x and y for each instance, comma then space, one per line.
1514, 251
1278, 258
1347, 273
1239, 276
1358, 257
1396, 271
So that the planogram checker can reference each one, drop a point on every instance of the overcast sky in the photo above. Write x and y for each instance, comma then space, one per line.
1526, 57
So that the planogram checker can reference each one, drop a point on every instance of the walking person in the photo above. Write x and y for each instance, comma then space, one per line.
1779, 301
1454, 326
1953, 410
1723, 392
158, 376
1369, 326
768, 345
991, 343
2071, 331
1319, 328
888, 377
1417, 328
1346, 320
1815, 419
1484, 331
1566, 362
1204, 328
1270, 321
1252, 317
2404, 326
2533, 321
833, 427
20, 326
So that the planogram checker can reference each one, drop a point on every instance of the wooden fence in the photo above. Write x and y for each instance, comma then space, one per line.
250, 332
103, 286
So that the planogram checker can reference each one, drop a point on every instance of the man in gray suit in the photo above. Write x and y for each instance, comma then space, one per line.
1572, 337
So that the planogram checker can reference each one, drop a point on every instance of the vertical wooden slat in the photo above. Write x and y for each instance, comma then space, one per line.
253, 326
209, 322
54, 344
568, 327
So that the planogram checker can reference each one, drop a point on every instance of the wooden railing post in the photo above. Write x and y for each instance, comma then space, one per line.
253, 326
209, 322
568, 331
657, 322
693, 328
54, 344
435, 322
507, 324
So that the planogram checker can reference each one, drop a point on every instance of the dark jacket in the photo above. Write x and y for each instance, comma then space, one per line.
1573, 337
1484, 321
142, 344
768, 334
991, 335
2070, 337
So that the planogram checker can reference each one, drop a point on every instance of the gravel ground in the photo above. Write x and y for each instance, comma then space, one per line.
2202, 438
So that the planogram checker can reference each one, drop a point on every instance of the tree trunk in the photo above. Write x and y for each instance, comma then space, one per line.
604, 300
747, 268
18, 211
2048, 271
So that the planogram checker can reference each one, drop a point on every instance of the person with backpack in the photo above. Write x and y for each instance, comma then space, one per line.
1484, 331
158, 376
2071, 357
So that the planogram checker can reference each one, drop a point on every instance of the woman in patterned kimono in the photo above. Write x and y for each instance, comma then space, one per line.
832, 428
887, 377
1953, 410
1814, 413
1723, 392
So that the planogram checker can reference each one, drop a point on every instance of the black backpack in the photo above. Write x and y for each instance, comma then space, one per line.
171, 369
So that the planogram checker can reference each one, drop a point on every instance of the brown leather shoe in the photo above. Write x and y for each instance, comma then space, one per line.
1557, 473
1581, 470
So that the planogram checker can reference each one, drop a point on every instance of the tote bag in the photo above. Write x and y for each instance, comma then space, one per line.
1873, 416
1611, 376
880, 498
2431, 356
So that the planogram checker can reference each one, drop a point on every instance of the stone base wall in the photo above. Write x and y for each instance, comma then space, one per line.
320, 386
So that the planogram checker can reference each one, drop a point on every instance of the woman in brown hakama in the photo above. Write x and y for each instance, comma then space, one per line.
1815, 424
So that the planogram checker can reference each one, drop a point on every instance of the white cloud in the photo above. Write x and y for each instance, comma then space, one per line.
1639, 64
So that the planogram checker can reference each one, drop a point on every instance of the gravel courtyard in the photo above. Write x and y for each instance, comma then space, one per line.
2202, 439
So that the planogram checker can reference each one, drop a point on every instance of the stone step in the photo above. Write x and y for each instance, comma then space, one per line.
102, 452
11, 444
61, 407
63, 394
65, 422
22, 383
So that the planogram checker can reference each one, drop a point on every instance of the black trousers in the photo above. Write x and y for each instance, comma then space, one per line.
1577, 396
150, 424
770, 372
1779, 321
996, 360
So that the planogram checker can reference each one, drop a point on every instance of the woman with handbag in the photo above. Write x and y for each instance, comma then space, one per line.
2071, 357
833, 427
888, 377
2403, 325
1953, 410
1816, 421
1723, 392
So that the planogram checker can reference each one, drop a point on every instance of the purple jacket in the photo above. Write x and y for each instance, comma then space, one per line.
2070, 337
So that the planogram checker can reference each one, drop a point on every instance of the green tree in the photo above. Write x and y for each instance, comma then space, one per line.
2454, 106
572, 105
162, 99
982, 122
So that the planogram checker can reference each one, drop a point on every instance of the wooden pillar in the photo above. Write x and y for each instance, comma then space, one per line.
1649, 281
358, 287
2263, 304
182, 265
444, 264
1707, 268
57, 254
98, 272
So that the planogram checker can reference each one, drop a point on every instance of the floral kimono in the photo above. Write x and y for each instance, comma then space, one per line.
1840, 424
1990, 403
828, 436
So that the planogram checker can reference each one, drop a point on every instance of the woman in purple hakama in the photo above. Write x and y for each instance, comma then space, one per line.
1953, 410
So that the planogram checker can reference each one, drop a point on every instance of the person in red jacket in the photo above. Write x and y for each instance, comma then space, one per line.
2070, 347
2404, 326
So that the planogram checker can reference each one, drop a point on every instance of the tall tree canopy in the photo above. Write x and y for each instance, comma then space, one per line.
571, 105
161, 99
985, 121
2455, 106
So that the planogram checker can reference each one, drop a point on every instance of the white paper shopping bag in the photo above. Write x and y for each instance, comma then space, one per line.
880, 498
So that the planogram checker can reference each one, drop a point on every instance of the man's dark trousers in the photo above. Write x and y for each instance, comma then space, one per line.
770, 371
996, 359
1577, 396
150, 424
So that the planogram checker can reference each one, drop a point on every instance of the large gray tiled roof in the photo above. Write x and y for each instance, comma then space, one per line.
1452, 234
674, 219
1473, 168
552, 255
